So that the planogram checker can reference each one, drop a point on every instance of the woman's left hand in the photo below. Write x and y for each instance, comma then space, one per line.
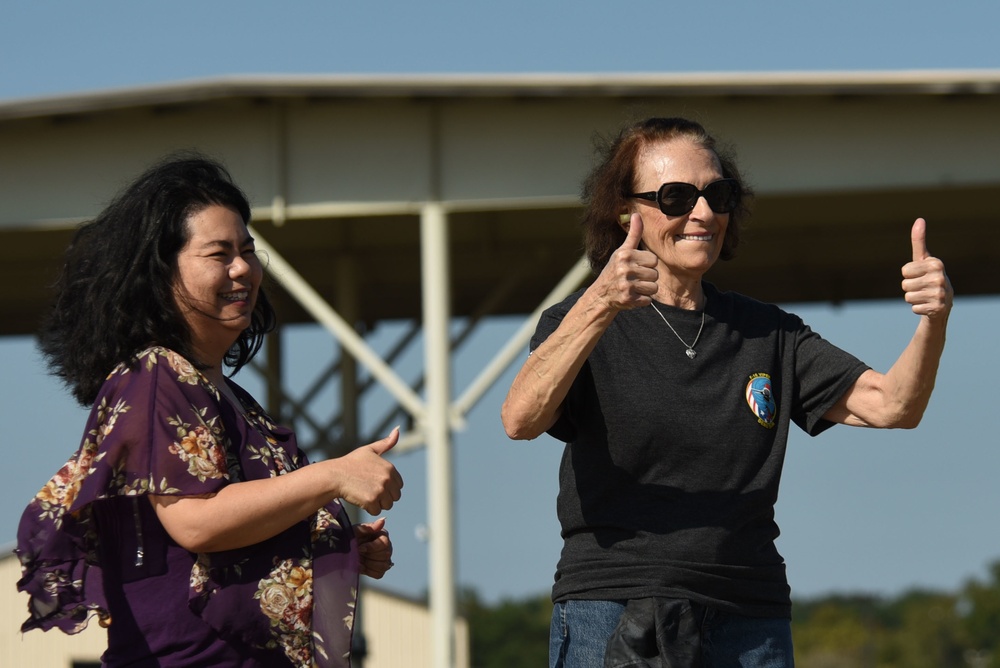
898, 398
925, 284
374, 548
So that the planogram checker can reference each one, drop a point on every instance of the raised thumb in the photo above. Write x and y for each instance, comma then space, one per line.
918, 238
386, 444
634, 236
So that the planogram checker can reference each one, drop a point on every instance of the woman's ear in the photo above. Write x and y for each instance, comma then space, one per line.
623, 221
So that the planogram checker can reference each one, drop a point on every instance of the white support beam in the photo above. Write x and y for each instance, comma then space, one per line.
437, 417
325, 315
440, 502
516, 344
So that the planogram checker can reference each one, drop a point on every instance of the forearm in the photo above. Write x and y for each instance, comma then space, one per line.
910, 381
246, 513
898, 398
535, 398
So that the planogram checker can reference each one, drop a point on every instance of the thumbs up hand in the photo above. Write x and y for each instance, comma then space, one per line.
629, 279
925, 284
365, 478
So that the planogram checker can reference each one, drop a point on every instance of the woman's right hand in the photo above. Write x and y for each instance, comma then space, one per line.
368, 480
628, 280
534, 401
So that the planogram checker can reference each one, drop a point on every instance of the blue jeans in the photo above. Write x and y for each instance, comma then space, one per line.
580, 630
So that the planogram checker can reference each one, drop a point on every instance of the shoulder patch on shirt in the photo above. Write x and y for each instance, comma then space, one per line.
760, 399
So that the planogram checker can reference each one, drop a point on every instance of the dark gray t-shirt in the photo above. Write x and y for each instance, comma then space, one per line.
671, 469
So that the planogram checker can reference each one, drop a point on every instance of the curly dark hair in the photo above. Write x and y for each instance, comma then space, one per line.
606, 188
114, 297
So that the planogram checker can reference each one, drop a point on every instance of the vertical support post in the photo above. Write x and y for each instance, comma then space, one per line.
275, 376
347, 305
436, 313
279, 148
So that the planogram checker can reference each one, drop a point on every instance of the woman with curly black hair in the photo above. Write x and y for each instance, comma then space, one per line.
188, 522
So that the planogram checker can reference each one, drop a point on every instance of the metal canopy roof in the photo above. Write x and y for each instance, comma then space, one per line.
910, 82
339, 165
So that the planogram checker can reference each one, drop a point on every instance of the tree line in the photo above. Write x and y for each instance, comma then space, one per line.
917, 629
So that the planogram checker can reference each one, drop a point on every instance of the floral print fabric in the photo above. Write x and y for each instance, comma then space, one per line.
160, 427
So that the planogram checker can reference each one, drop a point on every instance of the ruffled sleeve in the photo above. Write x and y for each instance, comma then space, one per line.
152, 429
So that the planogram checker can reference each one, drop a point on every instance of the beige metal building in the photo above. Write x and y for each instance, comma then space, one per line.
423, 198
396, 630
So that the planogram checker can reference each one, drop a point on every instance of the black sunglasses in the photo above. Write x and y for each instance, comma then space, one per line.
676, 199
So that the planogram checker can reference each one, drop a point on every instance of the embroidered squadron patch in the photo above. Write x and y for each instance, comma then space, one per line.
760, 399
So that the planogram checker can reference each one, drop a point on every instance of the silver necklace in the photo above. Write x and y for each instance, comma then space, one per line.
690, 348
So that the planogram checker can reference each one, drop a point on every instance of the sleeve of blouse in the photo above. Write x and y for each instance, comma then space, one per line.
154, 428
159, 431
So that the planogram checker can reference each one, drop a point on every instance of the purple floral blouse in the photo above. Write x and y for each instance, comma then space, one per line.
90, 544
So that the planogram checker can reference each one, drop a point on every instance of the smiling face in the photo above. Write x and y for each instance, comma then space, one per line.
218, 276
687, 245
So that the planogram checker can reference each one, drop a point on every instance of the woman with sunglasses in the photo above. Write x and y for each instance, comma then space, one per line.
675, 400
188, 522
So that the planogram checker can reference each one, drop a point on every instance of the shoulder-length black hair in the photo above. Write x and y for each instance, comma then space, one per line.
114, 297
606, 188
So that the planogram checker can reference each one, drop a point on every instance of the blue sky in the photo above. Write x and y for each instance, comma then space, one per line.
860, 510
55, 46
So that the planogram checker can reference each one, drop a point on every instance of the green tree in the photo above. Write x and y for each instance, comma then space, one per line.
511, 634
928, 633
979, 604
837, 632
918, 629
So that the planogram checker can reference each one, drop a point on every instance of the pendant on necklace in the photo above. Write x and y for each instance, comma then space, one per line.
690, 349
